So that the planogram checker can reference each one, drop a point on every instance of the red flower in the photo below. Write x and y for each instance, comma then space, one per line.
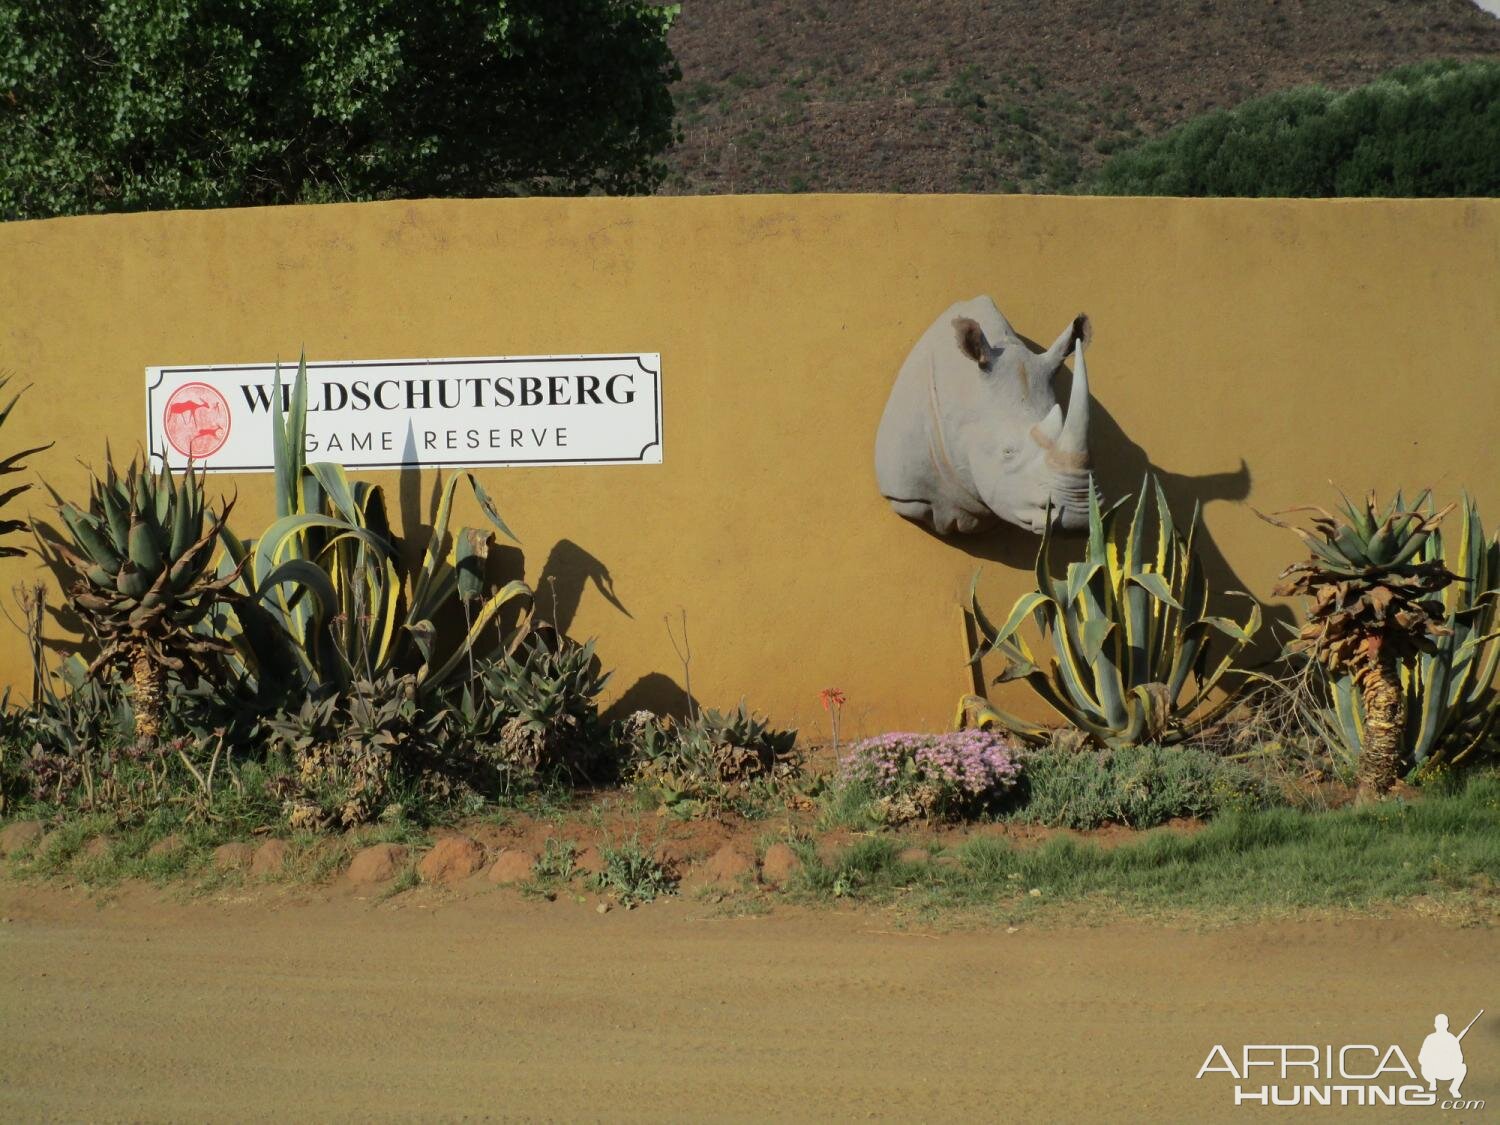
831, 697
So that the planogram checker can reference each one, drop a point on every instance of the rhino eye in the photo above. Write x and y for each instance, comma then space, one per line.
1008, 452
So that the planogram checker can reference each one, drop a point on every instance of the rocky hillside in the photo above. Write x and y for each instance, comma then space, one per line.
1005, 95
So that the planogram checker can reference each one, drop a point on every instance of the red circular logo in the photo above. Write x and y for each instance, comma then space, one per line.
196, 420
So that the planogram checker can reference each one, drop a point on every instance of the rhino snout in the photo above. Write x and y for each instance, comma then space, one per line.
1065, 497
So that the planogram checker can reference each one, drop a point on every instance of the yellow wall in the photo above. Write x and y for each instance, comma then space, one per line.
1351, 341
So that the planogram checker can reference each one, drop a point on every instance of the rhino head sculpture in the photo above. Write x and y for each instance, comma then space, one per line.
973, 432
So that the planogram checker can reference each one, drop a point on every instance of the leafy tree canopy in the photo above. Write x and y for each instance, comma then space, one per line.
1432, 129
126, 105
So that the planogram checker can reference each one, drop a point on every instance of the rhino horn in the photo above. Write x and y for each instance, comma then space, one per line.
1047, 430
1073, 443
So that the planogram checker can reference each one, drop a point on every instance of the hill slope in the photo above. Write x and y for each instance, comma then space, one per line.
1005, 95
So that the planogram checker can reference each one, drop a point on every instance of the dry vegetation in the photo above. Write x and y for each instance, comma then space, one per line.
1001, 95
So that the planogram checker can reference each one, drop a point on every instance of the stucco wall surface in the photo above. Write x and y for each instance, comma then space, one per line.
1250, 352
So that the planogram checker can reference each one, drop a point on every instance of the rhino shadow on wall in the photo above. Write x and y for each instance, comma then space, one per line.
559, 588
999, 509
566, 575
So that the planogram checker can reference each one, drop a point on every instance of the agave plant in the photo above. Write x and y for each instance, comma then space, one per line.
327, 602
142, 562
1451, 692
9, 465
1133, 644
1372, 582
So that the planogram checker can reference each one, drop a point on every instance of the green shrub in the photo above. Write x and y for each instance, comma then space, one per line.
632, 875
128, 107
15, 779
713, 762
557, 861
79, 715
1452, 702
137, 567
364, 755
538, 709
1138, 786
1432, 129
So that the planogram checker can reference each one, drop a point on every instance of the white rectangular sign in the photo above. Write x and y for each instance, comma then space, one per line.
388, 414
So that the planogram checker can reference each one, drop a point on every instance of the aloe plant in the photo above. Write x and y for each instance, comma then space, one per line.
712, 761
1372, 579
1132, 641
326, 598
540, 705
1452, 702
141, 556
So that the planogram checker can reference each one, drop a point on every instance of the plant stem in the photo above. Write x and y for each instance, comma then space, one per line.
147, 674
1385, 719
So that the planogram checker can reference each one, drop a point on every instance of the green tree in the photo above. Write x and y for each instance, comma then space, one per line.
126, 105
1432, 129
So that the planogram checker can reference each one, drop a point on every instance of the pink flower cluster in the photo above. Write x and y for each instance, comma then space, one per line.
972, 764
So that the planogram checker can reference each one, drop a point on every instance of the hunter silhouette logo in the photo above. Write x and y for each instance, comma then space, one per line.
1442, 1056
196, 420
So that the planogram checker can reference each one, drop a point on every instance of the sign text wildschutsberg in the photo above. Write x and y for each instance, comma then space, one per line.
533, 410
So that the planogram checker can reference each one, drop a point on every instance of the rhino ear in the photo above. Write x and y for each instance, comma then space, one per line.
972, 343
1080, 331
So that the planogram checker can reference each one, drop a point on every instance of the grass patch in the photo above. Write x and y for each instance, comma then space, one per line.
850, 805
552, 870
64, 852
1084, 788
406, 879
316, 858
1251, 861
65, 855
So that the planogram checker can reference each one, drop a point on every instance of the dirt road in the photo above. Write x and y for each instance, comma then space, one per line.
498, 1007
